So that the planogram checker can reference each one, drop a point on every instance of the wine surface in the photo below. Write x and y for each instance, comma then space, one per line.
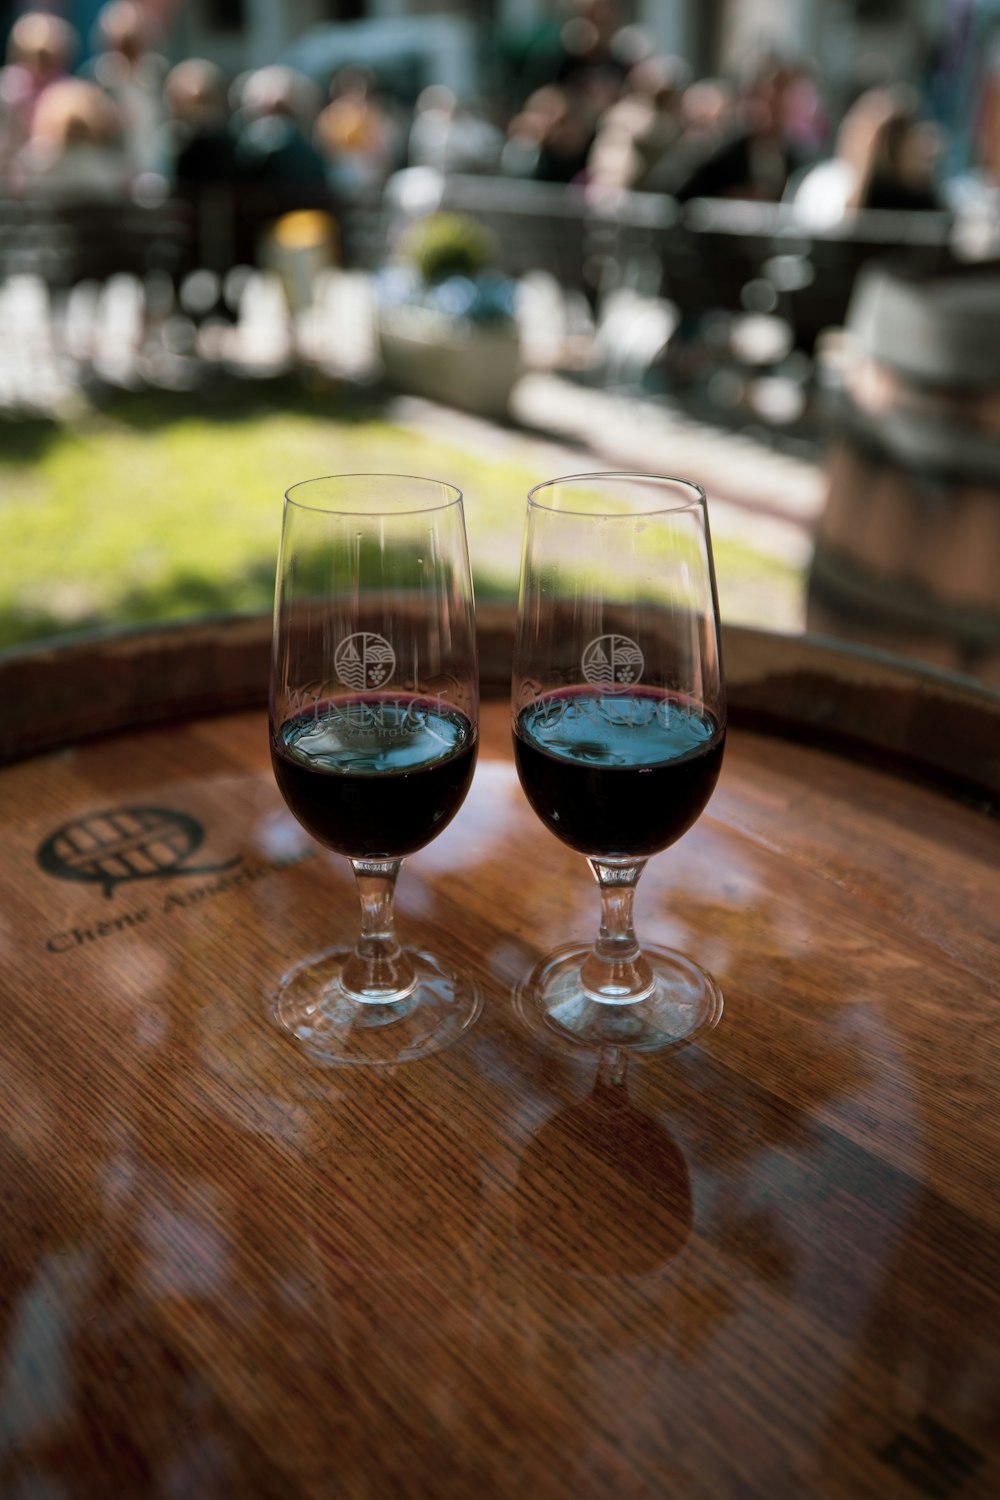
375, 777
620, 775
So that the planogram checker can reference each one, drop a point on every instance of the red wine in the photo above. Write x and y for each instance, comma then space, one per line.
620, 775
375, 777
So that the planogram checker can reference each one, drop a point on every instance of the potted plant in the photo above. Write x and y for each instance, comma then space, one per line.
446, 319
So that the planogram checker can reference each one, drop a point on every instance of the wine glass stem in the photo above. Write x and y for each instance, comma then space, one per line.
378, 972
615, 972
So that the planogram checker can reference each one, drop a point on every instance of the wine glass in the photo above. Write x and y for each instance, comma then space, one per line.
374, 713
619, 720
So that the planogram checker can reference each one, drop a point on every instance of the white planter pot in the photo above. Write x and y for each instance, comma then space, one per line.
451, 360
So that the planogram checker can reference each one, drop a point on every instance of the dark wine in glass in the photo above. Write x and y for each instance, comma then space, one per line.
627, 775
619, 724
374, 732
375, 776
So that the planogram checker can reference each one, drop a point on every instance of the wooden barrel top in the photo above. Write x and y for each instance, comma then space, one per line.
766, 1264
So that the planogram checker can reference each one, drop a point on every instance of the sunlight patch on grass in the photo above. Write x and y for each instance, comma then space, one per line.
145, 514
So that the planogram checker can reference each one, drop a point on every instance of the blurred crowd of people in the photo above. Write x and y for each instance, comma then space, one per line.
591, 102
607, 110
126, 122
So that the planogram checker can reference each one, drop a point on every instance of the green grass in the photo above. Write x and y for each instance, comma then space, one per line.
160, 507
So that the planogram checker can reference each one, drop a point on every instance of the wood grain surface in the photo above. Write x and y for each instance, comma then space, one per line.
765, 1265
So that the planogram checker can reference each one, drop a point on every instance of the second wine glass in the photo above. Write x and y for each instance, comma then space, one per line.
619, 720
374, 712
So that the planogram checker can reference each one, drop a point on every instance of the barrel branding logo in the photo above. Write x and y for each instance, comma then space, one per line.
364, 661
612, 662
124, 844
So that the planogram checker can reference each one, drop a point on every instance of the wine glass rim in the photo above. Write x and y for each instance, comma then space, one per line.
453, 495
697, 497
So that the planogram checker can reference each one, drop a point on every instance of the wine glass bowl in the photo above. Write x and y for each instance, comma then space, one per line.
374, 710
619, 725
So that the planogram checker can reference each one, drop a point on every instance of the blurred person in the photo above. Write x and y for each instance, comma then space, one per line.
708, 110
706, 115
273, 144
75, 152
359, 135
579, 73
640, 129
806, 125
593, 66
40, 51
201, 151
202, 147
888, 151
756, 155
885, 158
550, 139
576, 47
904, 169
132, 74
448, 135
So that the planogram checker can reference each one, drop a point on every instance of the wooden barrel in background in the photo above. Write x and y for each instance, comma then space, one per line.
908, 549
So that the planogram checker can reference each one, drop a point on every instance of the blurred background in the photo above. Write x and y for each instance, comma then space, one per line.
752, 242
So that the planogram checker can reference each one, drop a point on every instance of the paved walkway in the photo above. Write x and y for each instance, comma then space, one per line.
763, 505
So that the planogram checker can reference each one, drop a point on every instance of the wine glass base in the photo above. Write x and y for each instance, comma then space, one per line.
685, 1002
335, 1029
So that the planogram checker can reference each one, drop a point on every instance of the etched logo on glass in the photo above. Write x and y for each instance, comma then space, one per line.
612, 661
364, 660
